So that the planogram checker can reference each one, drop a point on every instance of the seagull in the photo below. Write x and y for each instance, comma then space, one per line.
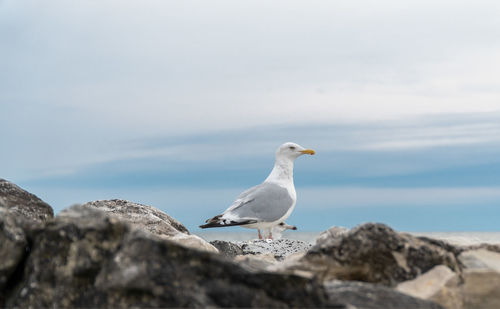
268, 204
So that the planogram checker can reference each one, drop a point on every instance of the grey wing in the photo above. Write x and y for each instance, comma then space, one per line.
266, 202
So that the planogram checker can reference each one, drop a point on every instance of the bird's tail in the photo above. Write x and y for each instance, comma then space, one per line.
218, 221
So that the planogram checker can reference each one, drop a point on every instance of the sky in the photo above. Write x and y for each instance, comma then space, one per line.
182, 104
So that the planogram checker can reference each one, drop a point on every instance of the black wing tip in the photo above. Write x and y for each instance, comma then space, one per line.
213, 223
209, 225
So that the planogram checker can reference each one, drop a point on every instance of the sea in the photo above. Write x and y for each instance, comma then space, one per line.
455, 238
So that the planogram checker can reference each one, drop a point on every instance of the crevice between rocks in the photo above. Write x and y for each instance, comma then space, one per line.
15, 279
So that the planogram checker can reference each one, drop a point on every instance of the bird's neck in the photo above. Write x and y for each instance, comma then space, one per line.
282, 172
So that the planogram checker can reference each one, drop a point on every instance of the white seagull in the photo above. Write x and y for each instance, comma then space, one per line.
268, 204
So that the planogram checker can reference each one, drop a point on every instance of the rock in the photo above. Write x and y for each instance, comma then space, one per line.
477, 287
480, 260
155, 221
330, 234
280, 248
260, 262
485, 246
66, 255
24, 205
227, 248
86, 258
358, 295
428, 284
374, 253
142, 216
480, 289
13, 245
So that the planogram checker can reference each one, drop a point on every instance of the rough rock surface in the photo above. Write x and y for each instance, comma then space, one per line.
227, 248
26, 206
374, 253
478, 288
12, 247
279, 248
428, 284
115, 253
153, 220
360, 295
331, 233
142, 216
86, 258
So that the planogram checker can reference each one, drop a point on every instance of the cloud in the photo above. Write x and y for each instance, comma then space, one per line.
183, 67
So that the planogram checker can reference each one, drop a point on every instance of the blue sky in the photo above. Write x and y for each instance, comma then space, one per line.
182, 104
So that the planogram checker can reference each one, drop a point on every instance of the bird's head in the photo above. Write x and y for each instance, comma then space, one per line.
292, 151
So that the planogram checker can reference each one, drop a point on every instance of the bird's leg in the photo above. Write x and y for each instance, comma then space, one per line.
270, 235
260, 236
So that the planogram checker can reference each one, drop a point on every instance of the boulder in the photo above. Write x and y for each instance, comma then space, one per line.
359, 295
476, 287
479, 285
428, 284
261, 262
480, 259
373, 253
13, 245
86, 258
152, 220
25, 206
227, 248
279, 248
330, 234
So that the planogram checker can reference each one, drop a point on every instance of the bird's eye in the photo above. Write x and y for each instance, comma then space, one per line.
292, 147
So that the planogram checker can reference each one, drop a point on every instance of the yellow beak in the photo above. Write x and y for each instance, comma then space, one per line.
308, 151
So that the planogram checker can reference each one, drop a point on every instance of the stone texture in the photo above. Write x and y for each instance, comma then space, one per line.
358, 295
227, 248
153, 220
13, 245
142, 216
330, 234
480, 259
428, 284
24, 205
88, 259
374, 253
476, 287
279, 248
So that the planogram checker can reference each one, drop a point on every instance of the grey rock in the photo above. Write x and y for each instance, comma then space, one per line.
227, 248
142, 216
329, 235
375, 253
360, 295
86, 258
13, 245
27, 207
279, 248
480, 259
475, 289
152, 220
261, 262
428, 284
